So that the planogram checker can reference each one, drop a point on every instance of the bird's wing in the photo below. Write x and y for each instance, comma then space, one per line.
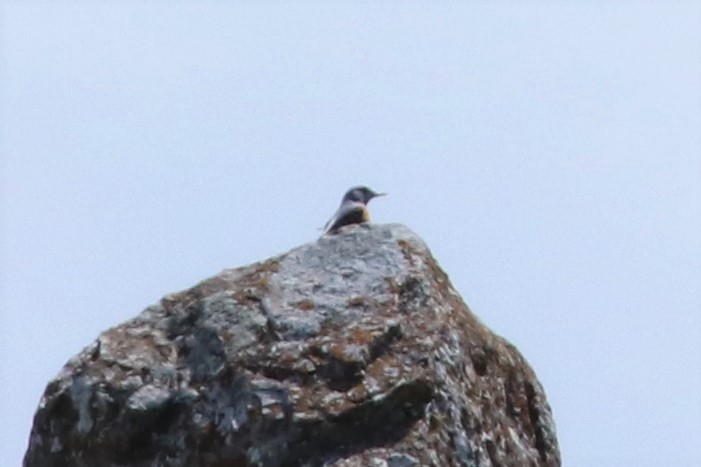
347, 213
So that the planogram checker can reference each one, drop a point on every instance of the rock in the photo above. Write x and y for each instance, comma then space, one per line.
354, 350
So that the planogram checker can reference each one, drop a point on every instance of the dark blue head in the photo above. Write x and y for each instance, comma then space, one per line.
360, 194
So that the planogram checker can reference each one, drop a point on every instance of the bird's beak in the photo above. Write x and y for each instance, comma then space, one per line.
375, 195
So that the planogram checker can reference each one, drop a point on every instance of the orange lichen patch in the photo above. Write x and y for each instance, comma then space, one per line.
438, 275
357, 301
269, 266
135, 347
259, 273
305, 304
256, 283
348, 353
407, 250
379, 367
244, 296
358, 394
173, 299
362, 336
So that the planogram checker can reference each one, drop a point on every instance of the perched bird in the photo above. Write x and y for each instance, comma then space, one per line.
353, 208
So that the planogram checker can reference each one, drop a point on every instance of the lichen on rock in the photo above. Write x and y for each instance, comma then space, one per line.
354, 350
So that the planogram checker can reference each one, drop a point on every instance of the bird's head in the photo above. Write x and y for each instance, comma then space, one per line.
361, 194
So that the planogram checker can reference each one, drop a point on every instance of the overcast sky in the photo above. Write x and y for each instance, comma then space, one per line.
550, 155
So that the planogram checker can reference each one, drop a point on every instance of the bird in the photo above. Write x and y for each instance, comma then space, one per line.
353, 209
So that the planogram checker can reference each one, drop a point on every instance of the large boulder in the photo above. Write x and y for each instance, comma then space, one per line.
354, 350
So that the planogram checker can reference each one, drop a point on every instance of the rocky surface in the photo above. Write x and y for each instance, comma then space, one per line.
354, 350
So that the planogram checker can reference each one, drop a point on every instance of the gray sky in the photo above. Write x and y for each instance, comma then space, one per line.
549, 155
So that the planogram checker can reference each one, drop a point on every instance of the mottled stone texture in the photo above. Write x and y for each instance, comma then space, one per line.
354, 350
